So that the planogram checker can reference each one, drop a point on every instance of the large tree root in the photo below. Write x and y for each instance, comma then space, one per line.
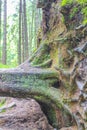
37, 84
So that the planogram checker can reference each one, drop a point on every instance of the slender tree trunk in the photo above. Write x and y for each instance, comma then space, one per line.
4, 49
26, 49
23, 36
35, 26
0, 28
20, 32
32, 27
29, 38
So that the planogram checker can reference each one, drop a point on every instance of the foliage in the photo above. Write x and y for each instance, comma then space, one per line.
64, 2
6, 66
82, 1
33, 21
2, 102
83, 10
74, 11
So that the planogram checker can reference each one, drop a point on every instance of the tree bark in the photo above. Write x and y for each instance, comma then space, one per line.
20, 32
4, 49
0, 26
23, 39
26, 46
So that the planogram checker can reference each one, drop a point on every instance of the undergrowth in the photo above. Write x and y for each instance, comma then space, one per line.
83, 3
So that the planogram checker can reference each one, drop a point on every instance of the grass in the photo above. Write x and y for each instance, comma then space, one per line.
6, 66
2, 102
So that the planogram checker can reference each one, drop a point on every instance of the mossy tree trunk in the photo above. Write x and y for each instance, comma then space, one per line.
56, 74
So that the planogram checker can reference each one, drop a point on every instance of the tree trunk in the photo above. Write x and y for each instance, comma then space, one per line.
32, 27
56, 74
0, 26
23, 39
20, 32
26, 48
4, 48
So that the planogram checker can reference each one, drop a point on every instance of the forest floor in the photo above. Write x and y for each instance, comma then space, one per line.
21, 114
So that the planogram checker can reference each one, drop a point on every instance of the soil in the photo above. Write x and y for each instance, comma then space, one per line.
23, 115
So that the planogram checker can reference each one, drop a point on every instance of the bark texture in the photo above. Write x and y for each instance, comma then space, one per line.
4, 48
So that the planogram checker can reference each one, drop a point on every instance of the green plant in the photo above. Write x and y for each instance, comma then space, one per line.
64, 2
6, 66
84, 11
2, 102
74, 11
83, 3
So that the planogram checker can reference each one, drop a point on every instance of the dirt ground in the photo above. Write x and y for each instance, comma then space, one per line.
22, 115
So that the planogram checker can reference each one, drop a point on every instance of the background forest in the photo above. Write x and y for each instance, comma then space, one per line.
19, 24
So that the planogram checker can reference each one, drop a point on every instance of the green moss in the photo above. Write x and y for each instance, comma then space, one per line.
42, 54
3, 111
45, 64
4, 66
63, 20
82, 1
84, 11
75, 9
39, 60
2, 102
50, 113
64, 2
52, 117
